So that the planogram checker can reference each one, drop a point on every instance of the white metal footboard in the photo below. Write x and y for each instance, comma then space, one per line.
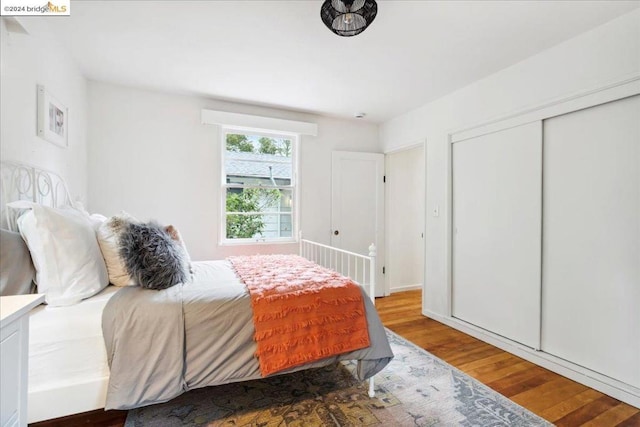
359, 268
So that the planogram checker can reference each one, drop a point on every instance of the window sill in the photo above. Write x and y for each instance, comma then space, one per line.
257, 243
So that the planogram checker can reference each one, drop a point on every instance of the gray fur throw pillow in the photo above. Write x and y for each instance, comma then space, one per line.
152, 258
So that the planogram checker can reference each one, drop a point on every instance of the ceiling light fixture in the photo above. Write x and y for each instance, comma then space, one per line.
348, 17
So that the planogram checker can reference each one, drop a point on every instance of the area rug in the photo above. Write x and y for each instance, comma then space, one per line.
415, 389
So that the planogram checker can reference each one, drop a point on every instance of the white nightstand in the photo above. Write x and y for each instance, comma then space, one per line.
14, 349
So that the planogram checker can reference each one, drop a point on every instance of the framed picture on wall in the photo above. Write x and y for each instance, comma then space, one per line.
53, 118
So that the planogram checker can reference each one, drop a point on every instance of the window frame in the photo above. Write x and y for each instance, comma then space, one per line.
293, 186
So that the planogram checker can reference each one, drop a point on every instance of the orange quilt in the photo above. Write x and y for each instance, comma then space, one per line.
302, 312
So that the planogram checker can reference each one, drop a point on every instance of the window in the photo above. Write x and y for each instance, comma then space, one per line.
259, 188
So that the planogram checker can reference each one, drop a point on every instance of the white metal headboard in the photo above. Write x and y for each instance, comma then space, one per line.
20, 181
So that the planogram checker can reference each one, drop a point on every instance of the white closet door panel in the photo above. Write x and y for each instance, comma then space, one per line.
497, 181
591, 244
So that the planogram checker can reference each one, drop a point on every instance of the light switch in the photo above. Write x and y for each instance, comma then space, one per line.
436, 211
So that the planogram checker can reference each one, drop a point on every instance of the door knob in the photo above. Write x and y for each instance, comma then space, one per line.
336, 232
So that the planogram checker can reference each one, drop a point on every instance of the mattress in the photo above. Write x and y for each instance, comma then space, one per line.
66, 345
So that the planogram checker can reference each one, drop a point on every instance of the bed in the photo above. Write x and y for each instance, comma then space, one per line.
68, 363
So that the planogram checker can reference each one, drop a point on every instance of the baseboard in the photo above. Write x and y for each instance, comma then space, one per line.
614, 388
405, 288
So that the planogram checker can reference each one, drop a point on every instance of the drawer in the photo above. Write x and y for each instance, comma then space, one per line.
10, 371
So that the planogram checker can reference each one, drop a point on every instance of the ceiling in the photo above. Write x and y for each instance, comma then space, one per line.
280, 54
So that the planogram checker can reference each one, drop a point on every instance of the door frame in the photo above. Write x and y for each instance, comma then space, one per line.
402, 148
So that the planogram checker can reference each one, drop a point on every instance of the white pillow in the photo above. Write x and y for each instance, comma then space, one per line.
108, 234
65, 252
95, 219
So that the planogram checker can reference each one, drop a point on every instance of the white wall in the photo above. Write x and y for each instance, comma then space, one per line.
29, 60
150, 156
605, 54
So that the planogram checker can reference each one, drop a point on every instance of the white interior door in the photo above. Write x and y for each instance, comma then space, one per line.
591, 245
497, 180
404, 216
357, 205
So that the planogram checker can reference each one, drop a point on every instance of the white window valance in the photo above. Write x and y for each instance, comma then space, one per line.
258, 123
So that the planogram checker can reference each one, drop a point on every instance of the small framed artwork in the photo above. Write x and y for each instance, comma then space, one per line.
53, 118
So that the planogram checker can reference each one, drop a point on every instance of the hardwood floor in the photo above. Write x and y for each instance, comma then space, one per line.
555, 398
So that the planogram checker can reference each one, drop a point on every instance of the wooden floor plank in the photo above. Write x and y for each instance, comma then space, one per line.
496, 366
475, 351
587, 412
577, 401
633, 421
557, 390
520, 386
491, 360
519, 377
612, 417
487, 377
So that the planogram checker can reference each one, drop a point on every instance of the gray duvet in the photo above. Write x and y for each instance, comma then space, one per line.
163, 343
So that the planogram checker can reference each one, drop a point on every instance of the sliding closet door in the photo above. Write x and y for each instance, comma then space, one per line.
591, 244
497, 182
